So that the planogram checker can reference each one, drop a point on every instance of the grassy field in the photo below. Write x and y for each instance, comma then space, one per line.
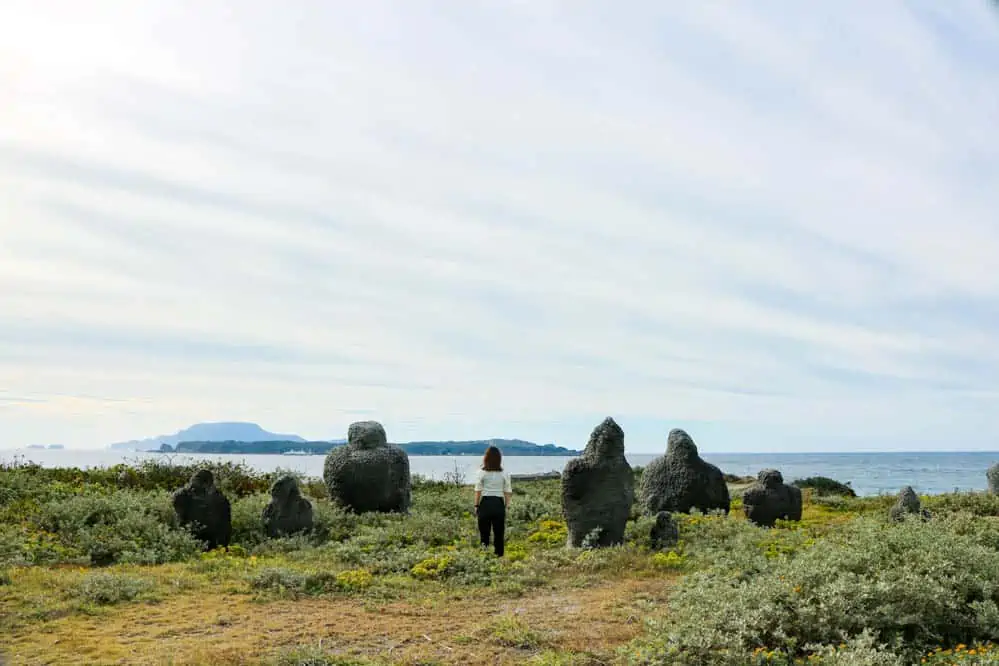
843, 586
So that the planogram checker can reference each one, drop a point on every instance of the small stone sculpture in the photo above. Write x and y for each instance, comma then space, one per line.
368, 473
204, 510
681, 481
288, 512
598, 489
665, 533
993, 477
908, 504
770, 499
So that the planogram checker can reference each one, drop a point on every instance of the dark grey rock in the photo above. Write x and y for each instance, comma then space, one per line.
204, 510
665, 533
368, 473
288, 512
681, 481
770, 499
598, 489
908, 504
993, 476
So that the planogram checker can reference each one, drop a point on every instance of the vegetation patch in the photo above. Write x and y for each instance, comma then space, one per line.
823, 485
104, 589
80, 548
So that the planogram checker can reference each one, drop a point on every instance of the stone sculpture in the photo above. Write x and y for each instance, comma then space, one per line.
288, 512
665, 533
368, 473
681, 481
598, 489
908, 504
993, 477
204, 510
770, 500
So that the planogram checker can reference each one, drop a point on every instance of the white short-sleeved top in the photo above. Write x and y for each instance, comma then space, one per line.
492, 484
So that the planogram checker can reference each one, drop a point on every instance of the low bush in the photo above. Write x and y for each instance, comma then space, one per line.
823, 485
977, 504
126, 526
911, 587
317, 656
512, 631
106, 588
549, 533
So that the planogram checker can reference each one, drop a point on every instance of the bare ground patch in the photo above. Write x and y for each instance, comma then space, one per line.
219, 628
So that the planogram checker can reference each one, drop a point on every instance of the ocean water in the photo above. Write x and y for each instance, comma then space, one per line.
868, 473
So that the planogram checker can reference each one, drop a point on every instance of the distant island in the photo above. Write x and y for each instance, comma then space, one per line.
250, 438
510, 447
235, 431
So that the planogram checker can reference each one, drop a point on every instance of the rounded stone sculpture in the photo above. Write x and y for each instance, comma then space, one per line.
908, 504
770, 499
681, 481
993, 477
368, 473
204, 510
598, 489
288, 512
665, 533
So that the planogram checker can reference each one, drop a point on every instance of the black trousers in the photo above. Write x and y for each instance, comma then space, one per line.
492, 518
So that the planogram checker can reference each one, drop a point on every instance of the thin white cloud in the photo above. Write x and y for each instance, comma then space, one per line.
498, 216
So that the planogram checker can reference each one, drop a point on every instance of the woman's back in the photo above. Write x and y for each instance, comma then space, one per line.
492, 483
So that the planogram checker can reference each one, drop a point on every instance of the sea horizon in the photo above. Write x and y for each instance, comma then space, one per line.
867, 472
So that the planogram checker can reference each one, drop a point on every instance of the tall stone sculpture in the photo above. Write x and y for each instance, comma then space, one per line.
598, 489
204, 510
368, 473
681, 481
770, 499
288, 512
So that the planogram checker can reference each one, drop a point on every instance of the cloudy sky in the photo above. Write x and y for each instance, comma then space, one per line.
773, 223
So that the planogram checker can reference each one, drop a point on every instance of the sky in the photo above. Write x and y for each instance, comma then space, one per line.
774, 224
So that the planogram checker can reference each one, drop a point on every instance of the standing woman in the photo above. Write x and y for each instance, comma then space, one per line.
492, 497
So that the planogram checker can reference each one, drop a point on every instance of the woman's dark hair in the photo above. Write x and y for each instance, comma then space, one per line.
492, 460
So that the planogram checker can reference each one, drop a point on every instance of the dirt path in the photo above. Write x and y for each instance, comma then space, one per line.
235, 629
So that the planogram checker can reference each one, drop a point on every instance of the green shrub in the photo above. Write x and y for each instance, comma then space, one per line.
125, 526
512, 631
278, 580
432, 567
977, 504
294, 583
478, 567
107, 588
317, 656
233, 479
913, 586
331, 522
354, 579
823, 485
533, 509
247, 524
549, 533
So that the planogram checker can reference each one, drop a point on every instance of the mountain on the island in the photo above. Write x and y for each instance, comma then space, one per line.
510, 447
208, 432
